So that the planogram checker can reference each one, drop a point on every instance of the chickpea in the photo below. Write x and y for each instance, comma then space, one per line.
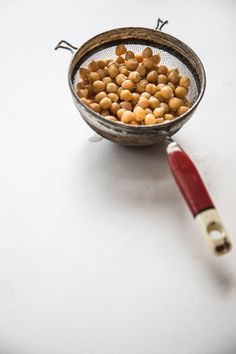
82, 84
120, 78
135, 98
101, 74
111, 87
106, 72
120, 112
159, 86
127, 117
105, 103
143, 102
129, 55
93, 66
120, 60
165, 106
159, 120
133, 122
141, 86
101, 64
99, 96
147, 52
85, 101
95, 107
146, 95
90, 91
172, 86
139, 113
111, 118
173, 77
147, 111
159, 112
113, 70
156, 58
139, 58
148, 64
115, 107
162, 79
153, 102
105, 112
84, 73
113, 96
168, 116
126, 105
167, 92
151, 88
131, 64
159, 96
98, 86
184, 82
126, 95
180, 92
150, 119
82, 93
134, 76
163, 70
120, 49
186, 102
123, 70
128, 85
93, 76
182, 110
174, 103
106, 80
107, 62
141, 70
152, 76
120, 89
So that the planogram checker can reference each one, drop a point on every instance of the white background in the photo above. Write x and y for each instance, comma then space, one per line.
98, 252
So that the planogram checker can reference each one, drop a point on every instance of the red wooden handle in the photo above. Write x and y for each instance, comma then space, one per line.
188, 180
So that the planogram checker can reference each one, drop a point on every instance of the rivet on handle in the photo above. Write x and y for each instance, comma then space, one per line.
66, 45
160, 24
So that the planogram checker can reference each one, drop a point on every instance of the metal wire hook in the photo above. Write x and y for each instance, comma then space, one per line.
160, 24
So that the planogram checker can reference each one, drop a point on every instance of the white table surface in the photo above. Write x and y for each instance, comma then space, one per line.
99, 253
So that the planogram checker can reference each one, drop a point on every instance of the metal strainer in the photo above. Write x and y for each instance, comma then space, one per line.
174, 53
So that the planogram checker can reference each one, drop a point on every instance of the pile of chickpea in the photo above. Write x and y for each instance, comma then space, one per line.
133, 89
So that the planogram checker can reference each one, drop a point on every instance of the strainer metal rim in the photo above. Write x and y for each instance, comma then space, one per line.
154, 127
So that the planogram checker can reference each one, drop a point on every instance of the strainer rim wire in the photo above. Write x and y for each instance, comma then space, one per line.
160, 126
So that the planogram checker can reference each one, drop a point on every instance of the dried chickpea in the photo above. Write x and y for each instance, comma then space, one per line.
147, 52
147, 111
152, 76
163, 70
180, 92
106, 80
165, 106
127, 117
131, 64
146, 95
111, 87
162, 79
115, 107
113, 96
156, 58
139, 58
101, 64
120, 78
126, 105
85, 101
84, 73
168, 116
186, 102
120, 89
82, 93
105, 103
143, 102
120, 60
111, 118
139, 113
129, 55
93, 66
93, 76
135, 98
150, 119
159, 86
120, 112
159, 120
173, 77
159, 112
151, 88
95, 107
148, 64
107, 61
106, 72
90, 91
98, 86
113, 70
126, 95
99, 96
105, 112
82, 84
159, 96
182, 110
174, 103
141, 70
128, 85
153, 102
184, 82
167, 92
134, 76
140, 87
101, 73
123, 70
172, 86
120, 49
133, 122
